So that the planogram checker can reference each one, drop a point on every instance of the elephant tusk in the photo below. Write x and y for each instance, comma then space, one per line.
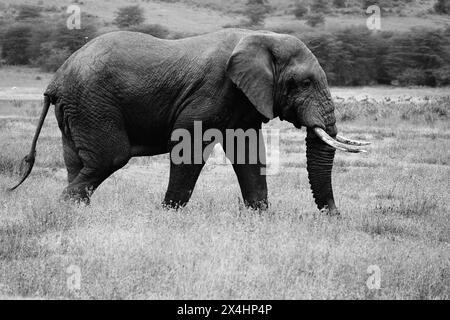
351, 142
336, 144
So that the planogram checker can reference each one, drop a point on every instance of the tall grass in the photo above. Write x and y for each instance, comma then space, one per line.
393, 204
428, 111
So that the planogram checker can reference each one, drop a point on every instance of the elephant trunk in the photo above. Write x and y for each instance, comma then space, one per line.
320, 158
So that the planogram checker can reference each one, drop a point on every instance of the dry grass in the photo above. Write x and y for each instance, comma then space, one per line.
26, 78
394, 204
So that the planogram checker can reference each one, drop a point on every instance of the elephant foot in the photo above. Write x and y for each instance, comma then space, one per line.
77, 198
333, 212
173, 204
260, 205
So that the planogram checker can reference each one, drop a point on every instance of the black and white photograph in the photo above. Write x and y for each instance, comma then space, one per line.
247, 151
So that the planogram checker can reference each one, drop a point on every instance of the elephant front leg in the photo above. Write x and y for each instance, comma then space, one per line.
248, 158
181, 184
253, 185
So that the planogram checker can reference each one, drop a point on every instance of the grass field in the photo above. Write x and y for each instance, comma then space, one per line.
394, 203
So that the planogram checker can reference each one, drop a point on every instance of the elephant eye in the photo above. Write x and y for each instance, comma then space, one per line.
295, 84
291, 84
306, 83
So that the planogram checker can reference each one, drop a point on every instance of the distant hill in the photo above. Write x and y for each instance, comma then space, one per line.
198, 16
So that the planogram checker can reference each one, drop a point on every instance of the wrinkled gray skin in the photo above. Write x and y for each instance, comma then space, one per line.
123, 93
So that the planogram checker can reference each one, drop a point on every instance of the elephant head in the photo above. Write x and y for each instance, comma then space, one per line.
282, 78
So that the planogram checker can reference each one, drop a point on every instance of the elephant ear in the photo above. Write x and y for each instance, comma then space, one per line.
250, 68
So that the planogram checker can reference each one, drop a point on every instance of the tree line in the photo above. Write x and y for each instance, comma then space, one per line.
350, 57
357, 56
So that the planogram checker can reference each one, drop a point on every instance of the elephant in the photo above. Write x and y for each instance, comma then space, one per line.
123, 94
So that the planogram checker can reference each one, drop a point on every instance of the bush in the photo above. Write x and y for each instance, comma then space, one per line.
41, 33
387, 6
358, 57
442, 7
350, 57
315, 19
326, 48
256, 11
412, 76
28, 12
368, 3
347, 56
420, 50
340, 3
52, 57
129, 16
320, 6
300, 10
29, 43
73, 39
155, 30
15, 43
442, 76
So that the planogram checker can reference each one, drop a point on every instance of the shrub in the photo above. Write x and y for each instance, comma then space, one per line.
300, 10
76, 38
356, 54
155, 30
320, 6
442, 6
325, 47
358, 57
23, 42
28, 12
340, 3
315, 19
349, 57
52, 43
368, 3
442, 76
256, 11
420, 50
15, 43
129, 16
412, 76
52, 57
41, 33
387, 6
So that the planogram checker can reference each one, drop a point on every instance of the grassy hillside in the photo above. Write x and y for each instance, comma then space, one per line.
196, 16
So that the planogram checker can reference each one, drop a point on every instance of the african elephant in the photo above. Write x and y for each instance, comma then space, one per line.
123, 94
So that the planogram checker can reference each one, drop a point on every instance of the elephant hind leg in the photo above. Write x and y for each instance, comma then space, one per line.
82, 187
88, 179
71, 159
84, 184
93, 161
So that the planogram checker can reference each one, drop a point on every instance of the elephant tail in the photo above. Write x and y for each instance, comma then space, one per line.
27, 163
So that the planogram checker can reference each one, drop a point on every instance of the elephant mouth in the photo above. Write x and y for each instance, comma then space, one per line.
340, 142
